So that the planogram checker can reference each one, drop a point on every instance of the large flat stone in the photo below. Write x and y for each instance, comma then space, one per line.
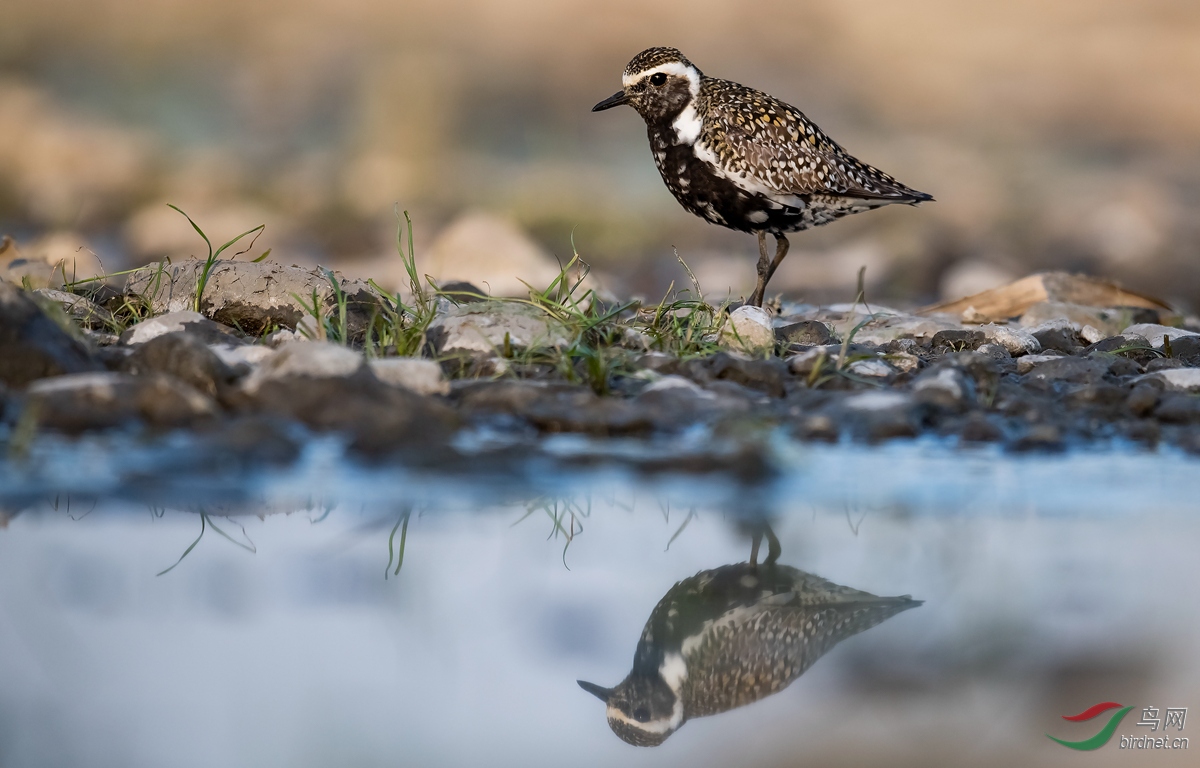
252, 297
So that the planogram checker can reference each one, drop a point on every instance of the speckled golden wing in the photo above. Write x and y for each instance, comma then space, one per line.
761, 651
769, 147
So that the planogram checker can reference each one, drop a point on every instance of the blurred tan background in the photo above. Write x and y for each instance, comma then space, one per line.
1053, 135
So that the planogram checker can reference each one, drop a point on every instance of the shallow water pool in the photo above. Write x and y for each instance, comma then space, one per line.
376, 617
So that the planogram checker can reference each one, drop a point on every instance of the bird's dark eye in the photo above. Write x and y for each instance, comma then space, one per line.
642, 714
658, 78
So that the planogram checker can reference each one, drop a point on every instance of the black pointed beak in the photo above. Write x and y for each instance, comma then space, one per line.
598, 691
616, 100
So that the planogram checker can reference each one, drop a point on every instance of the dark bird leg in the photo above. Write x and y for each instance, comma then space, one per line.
767, 265
773, 547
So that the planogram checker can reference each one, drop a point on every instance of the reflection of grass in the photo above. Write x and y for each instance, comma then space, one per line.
206, 522
566, 518
402, 524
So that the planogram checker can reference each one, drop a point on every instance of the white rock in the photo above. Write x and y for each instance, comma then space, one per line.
903, 361
481, 328
1018, 342
1177, 379
750, 329
876, 401
1154, 333
415, 374
946, 380
184, 320
1029, 362
870, 368
802, 363
283, 336
103, 383
1091, 335
673, 382
314, 359
247, 354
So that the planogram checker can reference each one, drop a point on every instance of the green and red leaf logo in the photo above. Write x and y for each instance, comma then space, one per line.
1101, 738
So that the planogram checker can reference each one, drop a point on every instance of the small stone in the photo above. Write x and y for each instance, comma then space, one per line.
1155, 333
32, 346
1178, 408
249, 355
487, 328
1163, 364
876, 416
749, 329
315, 359
1040, 437
676, 386
1029, 362
807, 332
904, 362
86, 401
283, 336
876, 401
1143, 397
1127, 345
184, 356
818, 427
1090, 334
946, 387
659, 362
636, 339
994, 351
83, 310
958, 340
1176, 379
803, 363
766, 376
1057, 334
978, 428
184, 320
871, 369
905, 346
1017, 341
1187, 349
413, 373
1076, 370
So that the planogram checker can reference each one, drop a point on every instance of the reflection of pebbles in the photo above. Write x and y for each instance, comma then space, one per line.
730, 636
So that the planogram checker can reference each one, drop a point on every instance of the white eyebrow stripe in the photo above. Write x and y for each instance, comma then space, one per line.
671, 68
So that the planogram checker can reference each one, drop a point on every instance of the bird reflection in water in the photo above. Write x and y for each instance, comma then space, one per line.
730, 636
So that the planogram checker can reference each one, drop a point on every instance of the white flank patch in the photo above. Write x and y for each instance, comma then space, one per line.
749, 184
687, 126
758, 217
671, 68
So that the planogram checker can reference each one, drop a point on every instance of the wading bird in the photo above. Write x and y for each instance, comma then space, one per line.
729, 636
746, 160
